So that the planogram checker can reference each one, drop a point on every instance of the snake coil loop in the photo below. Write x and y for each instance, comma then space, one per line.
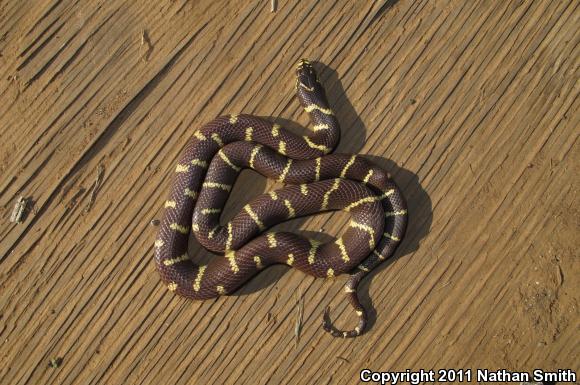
315, 181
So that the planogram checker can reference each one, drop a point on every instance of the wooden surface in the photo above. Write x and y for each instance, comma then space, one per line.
472, 105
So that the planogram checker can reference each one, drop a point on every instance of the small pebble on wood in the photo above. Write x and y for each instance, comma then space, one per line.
19, 210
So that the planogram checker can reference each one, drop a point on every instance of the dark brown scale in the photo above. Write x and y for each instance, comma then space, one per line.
246, 141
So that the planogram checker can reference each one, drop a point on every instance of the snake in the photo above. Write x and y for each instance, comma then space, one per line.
314, 180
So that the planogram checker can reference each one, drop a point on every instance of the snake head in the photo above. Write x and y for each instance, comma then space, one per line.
306, 76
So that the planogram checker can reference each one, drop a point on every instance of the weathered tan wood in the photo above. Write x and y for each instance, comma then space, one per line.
472, 105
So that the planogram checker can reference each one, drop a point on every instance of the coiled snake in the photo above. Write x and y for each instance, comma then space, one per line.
317, 182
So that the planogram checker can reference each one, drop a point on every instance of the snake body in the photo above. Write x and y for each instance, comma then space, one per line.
316, 181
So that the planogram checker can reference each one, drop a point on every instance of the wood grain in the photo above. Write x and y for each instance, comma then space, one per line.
471, 105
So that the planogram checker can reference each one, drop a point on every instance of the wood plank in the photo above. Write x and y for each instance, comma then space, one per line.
472, 106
